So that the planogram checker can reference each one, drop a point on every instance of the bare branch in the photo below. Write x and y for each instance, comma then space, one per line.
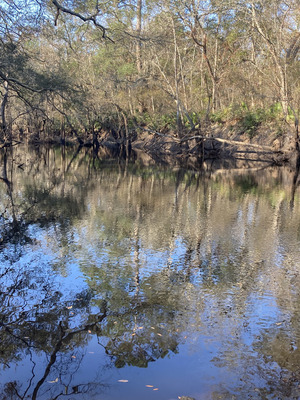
12, 80
92, 18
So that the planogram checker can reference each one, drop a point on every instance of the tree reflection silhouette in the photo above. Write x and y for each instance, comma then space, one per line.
159, 261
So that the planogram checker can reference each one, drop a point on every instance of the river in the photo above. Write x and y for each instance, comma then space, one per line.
132, 280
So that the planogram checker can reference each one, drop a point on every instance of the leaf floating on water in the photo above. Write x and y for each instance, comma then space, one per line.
140, 327
278, 323
56, 380
150, 386
73, 356
152, 327
69, 308
156, 389
123, 380
89, 331
159, 334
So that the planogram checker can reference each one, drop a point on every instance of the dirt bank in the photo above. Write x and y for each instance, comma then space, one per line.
223, 142
227, 142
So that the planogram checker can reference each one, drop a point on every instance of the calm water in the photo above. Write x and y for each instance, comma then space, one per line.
123, 281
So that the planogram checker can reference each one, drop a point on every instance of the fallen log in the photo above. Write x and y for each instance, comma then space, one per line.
217, 139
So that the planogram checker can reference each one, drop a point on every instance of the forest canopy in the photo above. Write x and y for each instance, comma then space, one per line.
81, 67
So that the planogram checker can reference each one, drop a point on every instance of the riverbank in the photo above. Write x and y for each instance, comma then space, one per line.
267, 145
228, 142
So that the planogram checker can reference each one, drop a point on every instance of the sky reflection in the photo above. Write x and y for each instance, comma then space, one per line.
126, 273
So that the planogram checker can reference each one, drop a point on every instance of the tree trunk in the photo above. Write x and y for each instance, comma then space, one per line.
3, 110
141, 103
138, 34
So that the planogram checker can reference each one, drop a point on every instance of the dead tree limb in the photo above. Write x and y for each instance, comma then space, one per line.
232, 142
217, 139
91, 18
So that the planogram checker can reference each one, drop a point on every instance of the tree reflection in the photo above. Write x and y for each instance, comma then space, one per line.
161, 257
37, 321
295, 182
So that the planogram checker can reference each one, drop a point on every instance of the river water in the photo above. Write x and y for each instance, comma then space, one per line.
120, 280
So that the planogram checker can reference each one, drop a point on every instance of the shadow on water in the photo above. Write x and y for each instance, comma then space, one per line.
110, 269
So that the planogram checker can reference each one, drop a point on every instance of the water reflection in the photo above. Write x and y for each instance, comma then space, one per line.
173, 280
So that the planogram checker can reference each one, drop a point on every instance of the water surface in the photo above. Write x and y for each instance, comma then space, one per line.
126, 281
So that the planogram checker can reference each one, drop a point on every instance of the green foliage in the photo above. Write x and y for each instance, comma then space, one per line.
251, 121
221, 116
168, 122
158, 122
195, 117
126, 69
291, 115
